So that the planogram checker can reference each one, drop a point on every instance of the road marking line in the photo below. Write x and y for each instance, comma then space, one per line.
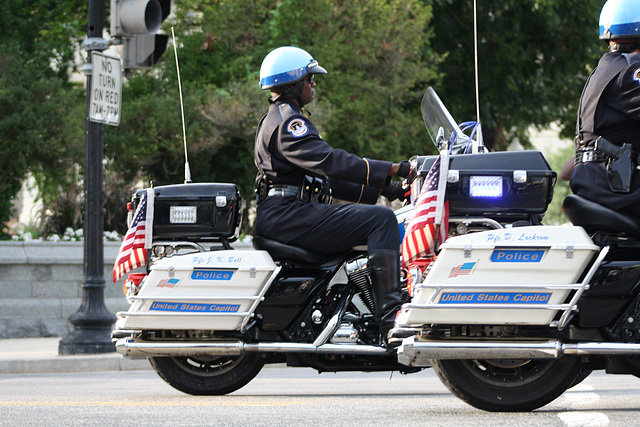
129, 403
591, 419
576, 396
580, 387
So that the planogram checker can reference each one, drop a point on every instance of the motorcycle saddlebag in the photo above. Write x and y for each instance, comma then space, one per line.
510, 276
216, 290
502, 185
206, 212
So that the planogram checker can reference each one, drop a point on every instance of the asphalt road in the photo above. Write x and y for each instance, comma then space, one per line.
294, 396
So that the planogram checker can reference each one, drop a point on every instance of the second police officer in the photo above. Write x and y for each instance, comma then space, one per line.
608, 134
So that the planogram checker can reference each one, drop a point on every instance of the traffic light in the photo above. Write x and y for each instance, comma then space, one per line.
136, 23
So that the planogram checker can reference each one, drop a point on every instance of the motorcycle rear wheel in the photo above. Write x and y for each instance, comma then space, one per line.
508, 385
208, 375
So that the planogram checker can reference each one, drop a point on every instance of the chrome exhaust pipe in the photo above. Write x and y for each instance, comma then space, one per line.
420, 353
410, 352
130, 348
601, 348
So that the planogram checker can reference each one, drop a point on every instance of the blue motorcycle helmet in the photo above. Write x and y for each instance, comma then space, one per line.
620, 19
287, 65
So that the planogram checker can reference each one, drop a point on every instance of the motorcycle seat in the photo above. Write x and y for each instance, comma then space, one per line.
594, 217
282, 252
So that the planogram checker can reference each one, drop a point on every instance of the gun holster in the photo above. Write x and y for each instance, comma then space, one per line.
261, 188
621, 163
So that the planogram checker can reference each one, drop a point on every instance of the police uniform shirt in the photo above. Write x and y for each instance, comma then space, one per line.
288, 146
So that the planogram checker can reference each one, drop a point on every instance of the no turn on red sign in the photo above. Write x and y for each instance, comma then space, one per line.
106, 89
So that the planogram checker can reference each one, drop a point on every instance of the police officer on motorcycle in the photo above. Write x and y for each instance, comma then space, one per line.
299, 174
608, 130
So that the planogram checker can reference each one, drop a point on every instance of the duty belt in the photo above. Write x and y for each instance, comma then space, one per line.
283, 190
621, 162
589, 154
311, 190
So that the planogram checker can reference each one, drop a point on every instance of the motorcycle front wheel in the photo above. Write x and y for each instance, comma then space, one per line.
208, 375
508, 385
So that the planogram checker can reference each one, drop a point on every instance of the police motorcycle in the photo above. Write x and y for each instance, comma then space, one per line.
508, 312
512, 315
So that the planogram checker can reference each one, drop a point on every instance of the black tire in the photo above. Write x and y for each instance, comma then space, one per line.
208, 375
508, 385
582, 375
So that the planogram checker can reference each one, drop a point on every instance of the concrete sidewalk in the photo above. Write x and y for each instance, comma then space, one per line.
40, 355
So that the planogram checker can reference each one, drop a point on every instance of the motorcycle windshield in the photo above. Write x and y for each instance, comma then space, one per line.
441, 126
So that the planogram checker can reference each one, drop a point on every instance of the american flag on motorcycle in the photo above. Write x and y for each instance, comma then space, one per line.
133, 251
429, 222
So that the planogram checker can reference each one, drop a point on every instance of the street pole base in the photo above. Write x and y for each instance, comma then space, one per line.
87, 341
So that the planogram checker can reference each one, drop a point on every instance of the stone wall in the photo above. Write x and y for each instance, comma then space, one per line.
41, 286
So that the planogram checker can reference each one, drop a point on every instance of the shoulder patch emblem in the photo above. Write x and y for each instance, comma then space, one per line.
636, 75
297, 128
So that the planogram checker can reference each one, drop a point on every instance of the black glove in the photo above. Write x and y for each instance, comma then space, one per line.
396, 191
404, 169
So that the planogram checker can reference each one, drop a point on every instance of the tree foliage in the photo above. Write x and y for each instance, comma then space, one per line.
534, 56
41, 112
554, 215
369, 102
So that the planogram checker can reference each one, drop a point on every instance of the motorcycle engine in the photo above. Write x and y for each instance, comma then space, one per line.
358, 274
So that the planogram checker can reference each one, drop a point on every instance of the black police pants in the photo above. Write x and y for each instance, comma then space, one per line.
327, 228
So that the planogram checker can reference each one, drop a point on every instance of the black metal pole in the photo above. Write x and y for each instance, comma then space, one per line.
93, 321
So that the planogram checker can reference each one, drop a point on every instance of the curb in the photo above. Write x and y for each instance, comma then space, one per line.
40, 356
75, 363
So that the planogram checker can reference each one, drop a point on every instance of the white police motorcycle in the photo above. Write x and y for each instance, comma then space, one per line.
509, 313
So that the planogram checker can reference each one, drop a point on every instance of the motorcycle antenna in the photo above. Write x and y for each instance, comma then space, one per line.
478, 141
187, 171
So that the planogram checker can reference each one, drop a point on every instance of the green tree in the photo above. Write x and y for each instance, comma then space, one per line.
381, 56
534, 58
41, 122
380, 62
369, 103
554, 215
41, 112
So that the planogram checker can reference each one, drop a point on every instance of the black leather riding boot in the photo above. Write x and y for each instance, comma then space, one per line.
384, 265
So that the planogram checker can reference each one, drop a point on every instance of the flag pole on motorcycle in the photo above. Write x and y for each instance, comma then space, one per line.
428, 226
